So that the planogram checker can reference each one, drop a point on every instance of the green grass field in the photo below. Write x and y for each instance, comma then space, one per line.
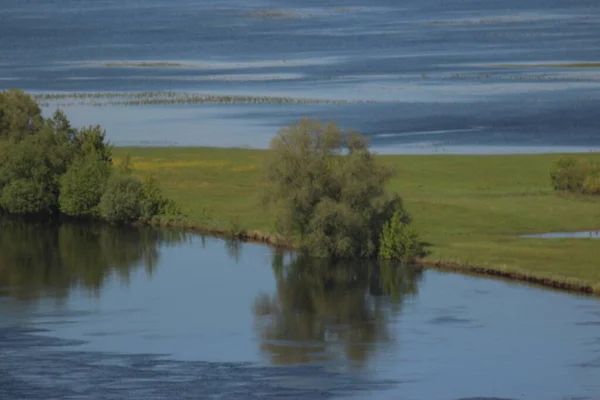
471, 209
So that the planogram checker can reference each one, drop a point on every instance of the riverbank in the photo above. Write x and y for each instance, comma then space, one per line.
469, 209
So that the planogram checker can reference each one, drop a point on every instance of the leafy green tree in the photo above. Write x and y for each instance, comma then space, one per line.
121, 202
62, 126
82, 186
30, 171
20, 115
328, 190
92, 139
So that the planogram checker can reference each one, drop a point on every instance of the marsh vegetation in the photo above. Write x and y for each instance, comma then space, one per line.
166, 98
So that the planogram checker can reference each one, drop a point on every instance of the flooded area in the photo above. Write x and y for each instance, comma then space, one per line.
416, 76
98, 312
565, 235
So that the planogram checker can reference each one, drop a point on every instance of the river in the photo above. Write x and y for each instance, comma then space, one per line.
99, 312
417, 76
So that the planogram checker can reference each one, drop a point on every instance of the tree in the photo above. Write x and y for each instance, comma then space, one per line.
328, 190
29, 173
20, 115
82, 186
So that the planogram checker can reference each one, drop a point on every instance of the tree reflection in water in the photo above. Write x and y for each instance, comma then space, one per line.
38, 258
330, 312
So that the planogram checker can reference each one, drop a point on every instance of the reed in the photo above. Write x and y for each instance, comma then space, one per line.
166, 98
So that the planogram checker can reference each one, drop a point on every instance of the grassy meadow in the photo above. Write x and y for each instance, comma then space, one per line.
470, 209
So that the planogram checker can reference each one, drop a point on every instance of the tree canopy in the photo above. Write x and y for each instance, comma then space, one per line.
327, 188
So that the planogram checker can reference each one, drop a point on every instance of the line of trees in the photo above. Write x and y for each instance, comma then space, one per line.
326, 188
49, 168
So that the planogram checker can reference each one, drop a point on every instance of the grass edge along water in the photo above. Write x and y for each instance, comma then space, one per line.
470, 209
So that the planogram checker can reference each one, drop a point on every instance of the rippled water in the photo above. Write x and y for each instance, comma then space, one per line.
102, 313
496, 76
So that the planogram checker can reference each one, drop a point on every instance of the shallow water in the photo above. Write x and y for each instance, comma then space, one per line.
98, 312
565, 235
489, 77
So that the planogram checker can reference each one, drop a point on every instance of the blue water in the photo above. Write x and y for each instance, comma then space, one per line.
446, 76
565, 235
105, 313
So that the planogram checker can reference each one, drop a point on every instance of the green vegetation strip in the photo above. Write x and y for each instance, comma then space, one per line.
470, 209
150, 98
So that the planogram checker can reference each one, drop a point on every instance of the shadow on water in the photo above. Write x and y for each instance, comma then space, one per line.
333, 313
37, 259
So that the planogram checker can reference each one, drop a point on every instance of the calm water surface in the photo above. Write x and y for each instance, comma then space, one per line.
454, 76
106, 313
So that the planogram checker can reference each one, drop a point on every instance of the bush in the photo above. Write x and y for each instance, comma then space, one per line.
154, 203
26, 197
576, 176
327, 189
399, 242
121, 201
591, 185
569, 174
82, 186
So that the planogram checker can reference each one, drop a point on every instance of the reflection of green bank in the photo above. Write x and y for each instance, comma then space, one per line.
471, 209
38, 258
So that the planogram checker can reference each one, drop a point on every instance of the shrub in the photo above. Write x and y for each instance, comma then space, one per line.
121, 201
154, 203
82, 186
399, 242
25, 197
569, 174
576, 176
591, 185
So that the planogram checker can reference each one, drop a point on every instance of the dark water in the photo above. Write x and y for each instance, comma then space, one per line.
105, 313
455, 76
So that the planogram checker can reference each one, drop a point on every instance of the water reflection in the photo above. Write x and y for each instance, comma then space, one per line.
324, 312
38, 258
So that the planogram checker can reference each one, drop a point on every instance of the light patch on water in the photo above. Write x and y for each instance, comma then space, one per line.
223, 64
539, 64
234, 77
432, 147
427, 133
500, 19
565, 235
